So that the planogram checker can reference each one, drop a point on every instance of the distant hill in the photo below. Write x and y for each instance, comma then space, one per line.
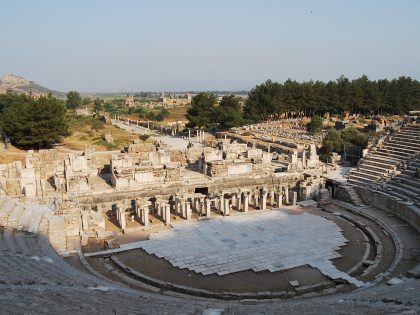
21, 85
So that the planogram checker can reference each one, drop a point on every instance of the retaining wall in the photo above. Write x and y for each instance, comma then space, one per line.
404, 210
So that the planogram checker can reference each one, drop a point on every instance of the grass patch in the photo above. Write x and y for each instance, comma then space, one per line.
88, 130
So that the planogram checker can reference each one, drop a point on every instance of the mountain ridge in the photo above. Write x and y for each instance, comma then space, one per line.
18, 84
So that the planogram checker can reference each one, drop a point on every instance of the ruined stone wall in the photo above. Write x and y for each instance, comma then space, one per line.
181, 187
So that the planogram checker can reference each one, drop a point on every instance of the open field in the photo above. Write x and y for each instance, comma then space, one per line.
87, 130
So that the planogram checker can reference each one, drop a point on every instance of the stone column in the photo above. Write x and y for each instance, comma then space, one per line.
188, 211
279, 200
294, 198
226, 207
208, 208
168, 214
256, 199
122, 222
145, 216
138, 211
272, 197
263, 200
286, 196
246, 197
222, 204
233, 200
183, 211
239, 202
216, 203
189, 135
200, 207
163, 212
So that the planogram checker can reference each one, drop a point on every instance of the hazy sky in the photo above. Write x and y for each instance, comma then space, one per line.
204, 45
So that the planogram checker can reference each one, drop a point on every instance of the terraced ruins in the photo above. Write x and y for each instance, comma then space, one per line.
228, 228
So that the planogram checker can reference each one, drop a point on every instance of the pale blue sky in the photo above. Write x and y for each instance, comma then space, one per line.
159, 45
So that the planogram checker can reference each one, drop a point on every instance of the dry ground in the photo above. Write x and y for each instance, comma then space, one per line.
86, 130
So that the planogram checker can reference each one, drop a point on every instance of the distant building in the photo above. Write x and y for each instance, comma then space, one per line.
162, 98
129, 101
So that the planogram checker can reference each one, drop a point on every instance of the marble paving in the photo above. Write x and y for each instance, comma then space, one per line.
270, 241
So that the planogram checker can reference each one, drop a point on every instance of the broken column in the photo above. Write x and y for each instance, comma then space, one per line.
208, 208
279, 196
222, 204
238, 202
188, 210
256, 199
167, 214
145, 216
226, 210
183, 209
233, 200
121, 218
272, 195
294, 200
286, 195
246, 200
263, 200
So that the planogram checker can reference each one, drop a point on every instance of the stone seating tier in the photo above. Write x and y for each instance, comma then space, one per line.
406, 143
377, 167
375, 171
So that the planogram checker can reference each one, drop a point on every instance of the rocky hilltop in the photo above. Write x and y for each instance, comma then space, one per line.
21, 85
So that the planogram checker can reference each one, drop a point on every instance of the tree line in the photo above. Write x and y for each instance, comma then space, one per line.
291, 98
359, 96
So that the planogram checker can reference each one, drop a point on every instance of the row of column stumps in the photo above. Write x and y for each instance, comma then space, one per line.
200, 134
202, 205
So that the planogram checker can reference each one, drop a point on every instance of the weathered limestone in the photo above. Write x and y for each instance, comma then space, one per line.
263, 200
272, 197
294, 201
297, 162
208, 208
233, 159
222, 203
121, 218
134, 171
226, 208
167, 214
188, 210
239, 202
246, 201
279, 198
233, 200
256, 199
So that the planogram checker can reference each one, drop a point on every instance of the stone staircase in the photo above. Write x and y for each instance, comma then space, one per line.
348, 194
386, 161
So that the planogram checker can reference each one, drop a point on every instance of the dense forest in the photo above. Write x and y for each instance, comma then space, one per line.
361, 96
